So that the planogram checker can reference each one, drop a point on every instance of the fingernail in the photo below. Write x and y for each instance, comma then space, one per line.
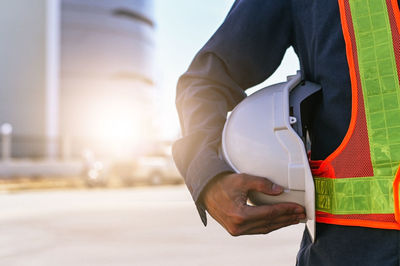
277, 188
301, 216
299, 210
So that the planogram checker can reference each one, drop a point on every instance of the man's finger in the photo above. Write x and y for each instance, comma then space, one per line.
262, 223
271, 212
269, 228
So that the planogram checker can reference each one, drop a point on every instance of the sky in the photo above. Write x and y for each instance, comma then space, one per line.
183, 27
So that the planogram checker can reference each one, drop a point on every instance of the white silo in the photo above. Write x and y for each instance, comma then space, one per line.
107, 74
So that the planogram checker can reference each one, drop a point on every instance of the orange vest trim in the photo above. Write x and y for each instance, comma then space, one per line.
352, 159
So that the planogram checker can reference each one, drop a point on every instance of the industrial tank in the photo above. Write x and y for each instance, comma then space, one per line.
29, 76
107, 76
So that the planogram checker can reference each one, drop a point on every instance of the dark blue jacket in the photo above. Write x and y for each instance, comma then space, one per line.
245, 51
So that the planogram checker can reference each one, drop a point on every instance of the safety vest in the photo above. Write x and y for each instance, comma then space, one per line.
358, 184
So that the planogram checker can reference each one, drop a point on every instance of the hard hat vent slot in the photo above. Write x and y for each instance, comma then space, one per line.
301, 105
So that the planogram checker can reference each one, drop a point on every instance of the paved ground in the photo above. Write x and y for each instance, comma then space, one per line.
140, 226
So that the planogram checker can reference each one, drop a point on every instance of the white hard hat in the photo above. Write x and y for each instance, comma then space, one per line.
260, 138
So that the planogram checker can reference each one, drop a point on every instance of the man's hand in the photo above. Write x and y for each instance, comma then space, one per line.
226, 201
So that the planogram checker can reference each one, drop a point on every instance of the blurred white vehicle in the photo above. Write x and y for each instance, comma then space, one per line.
156, 170
153, 170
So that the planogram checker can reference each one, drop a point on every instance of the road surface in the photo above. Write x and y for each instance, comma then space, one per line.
139, 226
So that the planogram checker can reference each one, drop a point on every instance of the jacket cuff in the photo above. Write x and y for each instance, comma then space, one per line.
202, 170
201, 208
202, 212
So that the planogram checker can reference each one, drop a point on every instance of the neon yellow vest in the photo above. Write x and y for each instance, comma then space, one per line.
358, 184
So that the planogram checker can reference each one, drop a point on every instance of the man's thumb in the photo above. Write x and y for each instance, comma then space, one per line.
265, 186
277, 188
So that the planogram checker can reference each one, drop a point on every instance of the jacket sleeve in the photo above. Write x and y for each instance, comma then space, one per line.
244, 51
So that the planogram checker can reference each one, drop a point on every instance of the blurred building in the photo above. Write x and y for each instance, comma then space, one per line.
29, 74
77, 74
